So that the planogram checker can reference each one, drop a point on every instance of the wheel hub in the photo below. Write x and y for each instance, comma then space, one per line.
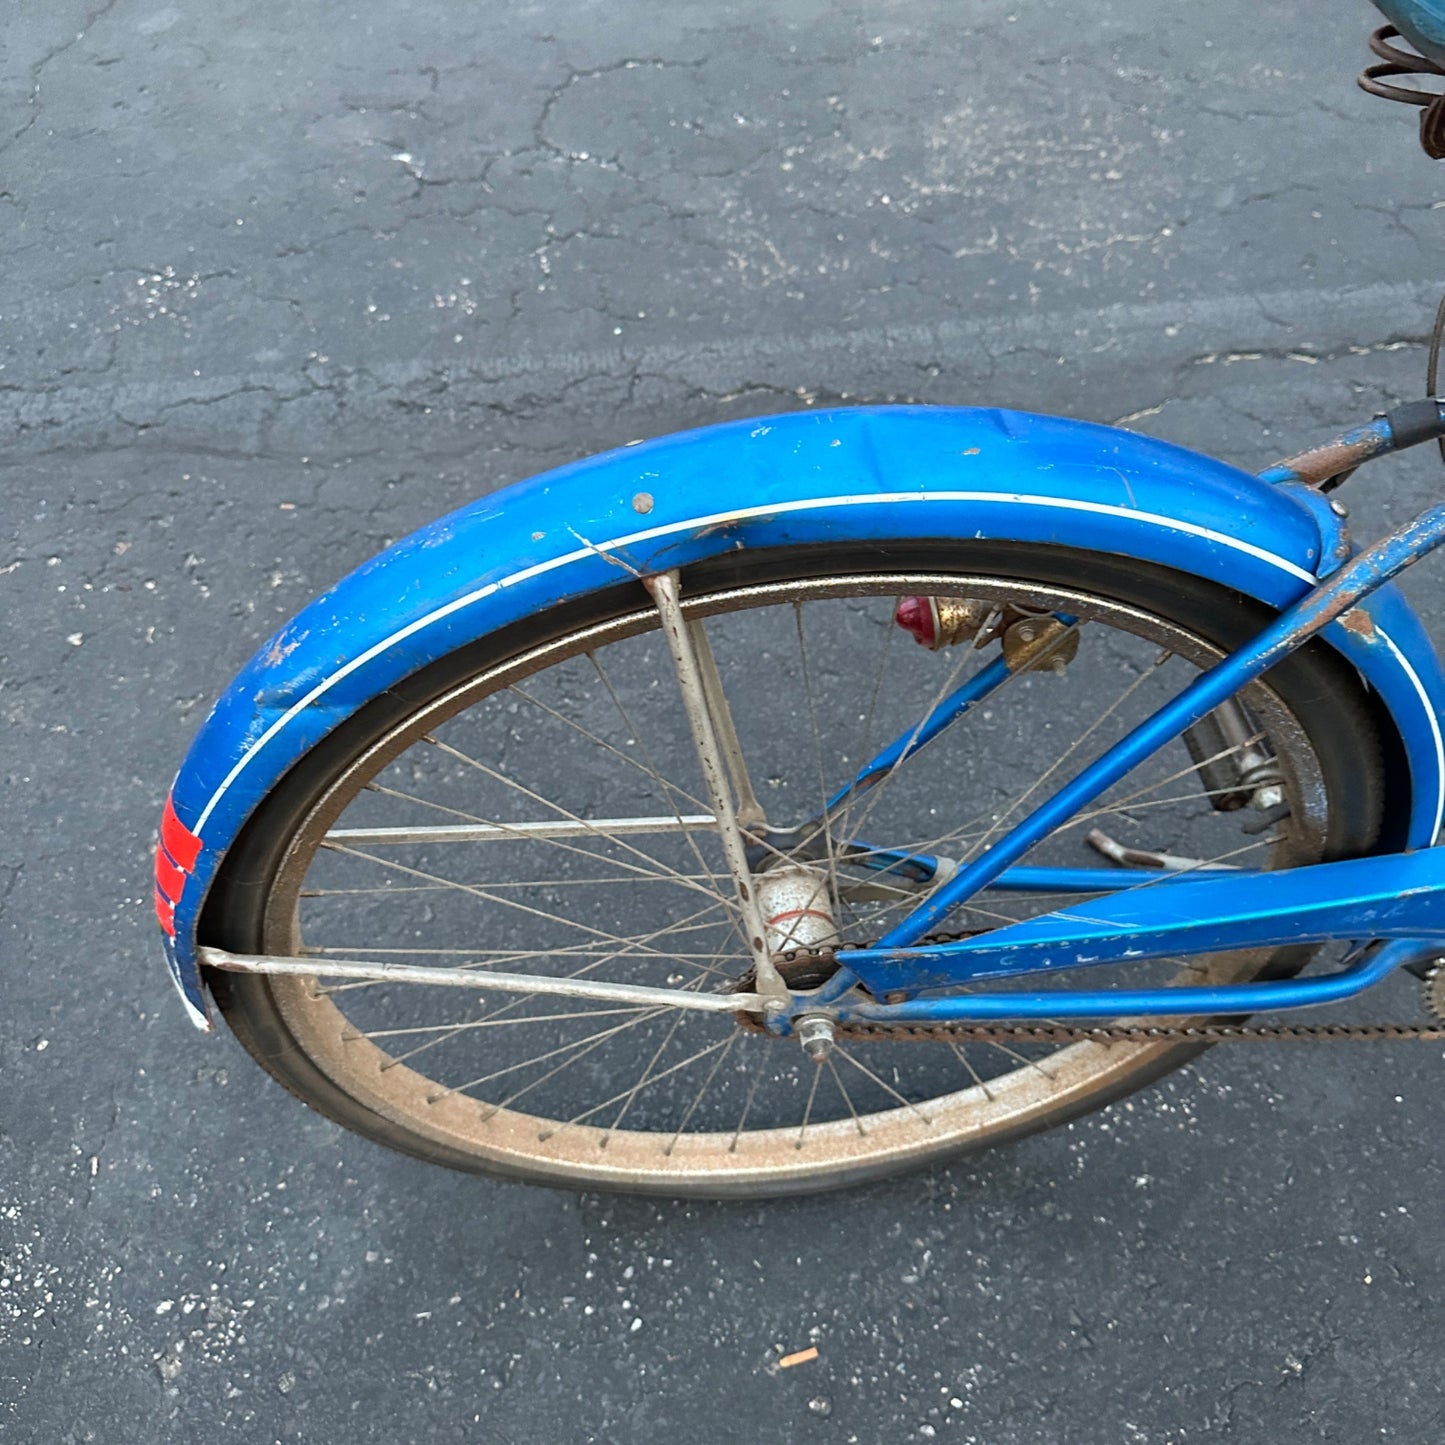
797, 908
799, 930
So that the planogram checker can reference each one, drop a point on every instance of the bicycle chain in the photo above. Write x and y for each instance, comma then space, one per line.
1050, 1033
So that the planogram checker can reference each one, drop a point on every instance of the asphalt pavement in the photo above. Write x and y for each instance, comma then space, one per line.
279, 283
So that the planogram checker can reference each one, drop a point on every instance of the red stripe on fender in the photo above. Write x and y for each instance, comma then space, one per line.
165, 913
169, 879
181, 843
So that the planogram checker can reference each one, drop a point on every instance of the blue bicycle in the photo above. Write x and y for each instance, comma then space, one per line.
784, 803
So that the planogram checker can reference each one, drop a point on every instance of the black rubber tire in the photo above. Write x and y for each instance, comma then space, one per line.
1350, 734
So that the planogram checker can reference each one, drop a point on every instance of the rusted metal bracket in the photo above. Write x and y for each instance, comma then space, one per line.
1326, 467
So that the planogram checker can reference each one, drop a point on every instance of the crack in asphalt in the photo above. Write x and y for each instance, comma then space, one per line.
55, 412
36, 67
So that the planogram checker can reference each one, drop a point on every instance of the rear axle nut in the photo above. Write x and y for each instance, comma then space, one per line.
816, 1034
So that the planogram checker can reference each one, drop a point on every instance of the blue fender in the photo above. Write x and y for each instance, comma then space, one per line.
822, 476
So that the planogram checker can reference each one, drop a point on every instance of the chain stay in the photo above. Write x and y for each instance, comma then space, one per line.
1140, 1033
1143, 1033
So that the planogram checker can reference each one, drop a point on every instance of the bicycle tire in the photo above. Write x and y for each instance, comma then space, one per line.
248, 909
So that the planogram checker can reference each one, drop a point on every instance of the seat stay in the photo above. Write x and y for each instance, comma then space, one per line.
1395, 896
978, 688
986, 681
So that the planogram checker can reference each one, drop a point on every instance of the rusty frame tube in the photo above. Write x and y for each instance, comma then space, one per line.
1406, 426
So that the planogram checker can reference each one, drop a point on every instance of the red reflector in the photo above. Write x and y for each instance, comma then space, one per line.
180, 842
915, 615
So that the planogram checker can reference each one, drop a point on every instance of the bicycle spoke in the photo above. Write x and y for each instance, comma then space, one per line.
649, 771
847, 1097
748, 1101
641, 1083
1069, 752
478, 892
571, 817
638, 1087
962, 834
491, 1023
883, 1084
808, 1108
1194, 768
698, 1098
873, 796
595, 1040
832, 861
865, 745
972, 1072
652, 768
1114, 805
1020, 1058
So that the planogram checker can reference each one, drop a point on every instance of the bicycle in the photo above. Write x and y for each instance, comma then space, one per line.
579, 838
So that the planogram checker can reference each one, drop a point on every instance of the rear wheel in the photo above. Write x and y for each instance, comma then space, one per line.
589, 850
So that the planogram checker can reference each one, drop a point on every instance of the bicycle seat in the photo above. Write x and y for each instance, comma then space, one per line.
1421, 22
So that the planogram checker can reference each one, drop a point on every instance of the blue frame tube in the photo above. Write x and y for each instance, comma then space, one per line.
1091, 880
1357, 446
985, 681
1405, 426
920, 867
1239, 998
1295, 626
1398, 896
